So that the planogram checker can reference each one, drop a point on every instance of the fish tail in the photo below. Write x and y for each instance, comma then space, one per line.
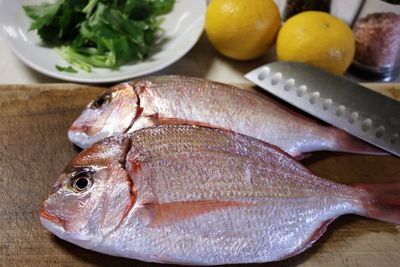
380, 201
345, 142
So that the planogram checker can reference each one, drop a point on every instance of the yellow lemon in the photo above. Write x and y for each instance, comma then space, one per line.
242, 29
316, 38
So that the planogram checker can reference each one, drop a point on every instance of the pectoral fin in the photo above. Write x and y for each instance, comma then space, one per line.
177, 121
170, 213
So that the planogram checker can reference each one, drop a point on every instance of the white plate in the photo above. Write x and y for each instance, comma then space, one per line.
183, 27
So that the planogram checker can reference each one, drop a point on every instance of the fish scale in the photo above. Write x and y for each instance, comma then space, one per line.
205, 142
195, 195
223, 176
187, 100
222, 241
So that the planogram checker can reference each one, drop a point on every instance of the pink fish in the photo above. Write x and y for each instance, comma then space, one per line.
185, 100
193, 195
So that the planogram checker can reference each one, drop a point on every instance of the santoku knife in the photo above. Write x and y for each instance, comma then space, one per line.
347, 105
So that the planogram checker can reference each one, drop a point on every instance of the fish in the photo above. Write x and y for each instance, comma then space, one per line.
175, 99
188, 194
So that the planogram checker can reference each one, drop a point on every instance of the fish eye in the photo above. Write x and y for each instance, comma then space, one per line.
101, 100
82, 181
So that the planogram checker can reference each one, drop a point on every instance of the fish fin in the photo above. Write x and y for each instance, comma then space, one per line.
176, 261
319, 232
381, 201
175, 121
314, 237
168, 213
344, 142
302, 156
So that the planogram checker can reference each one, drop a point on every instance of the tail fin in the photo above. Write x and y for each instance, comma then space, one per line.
345, 142
381, 201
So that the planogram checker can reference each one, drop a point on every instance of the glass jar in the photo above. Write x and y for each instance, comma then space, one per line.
377, 32
293, 7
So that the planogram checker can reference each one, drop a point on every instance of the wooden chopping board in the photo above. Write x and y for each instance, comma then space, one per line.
34, 149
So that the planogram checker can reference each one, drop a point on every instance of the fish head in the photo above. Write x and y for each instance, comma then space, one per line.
92, 196
111, 113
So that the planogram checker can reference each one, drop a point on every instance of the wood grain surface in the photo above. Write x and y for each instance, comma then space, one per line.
34, 149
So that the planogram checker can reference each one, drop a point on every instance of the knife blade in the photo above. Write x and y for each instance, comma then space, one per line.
338, 101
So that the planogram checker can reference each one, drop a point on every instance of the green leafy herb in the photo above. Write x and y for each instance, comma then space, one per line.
66, 69
100, 33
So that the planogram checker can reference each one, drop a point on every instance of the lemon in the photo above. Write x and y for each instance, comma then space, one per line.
316, 38
242, 29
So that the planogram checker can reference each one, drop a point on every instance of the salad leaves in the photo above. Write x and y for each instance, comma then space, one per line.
100, 33
66, 69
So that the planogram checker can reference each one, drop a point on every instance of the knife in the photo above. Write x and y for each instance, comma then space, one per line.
338, 101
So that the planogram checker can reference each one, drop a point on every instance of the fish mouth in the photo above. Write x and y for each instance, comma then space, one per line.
58, 227
79, 138
85, 127
84, 134
44, 214
83, 140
